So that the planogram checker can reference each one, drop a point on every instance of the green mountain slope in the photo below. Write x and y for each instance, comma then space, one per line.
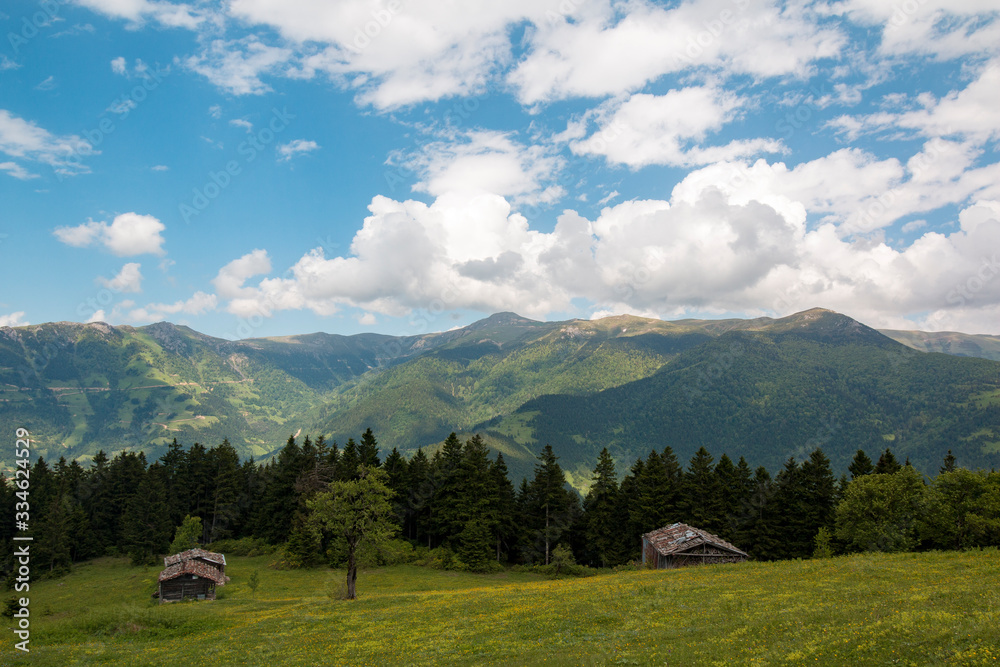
949, 342
494, 367
764, 388
780, 390
84, 387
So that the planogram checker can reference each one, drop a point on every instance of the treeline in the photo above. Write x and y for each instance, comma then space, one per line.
460, 503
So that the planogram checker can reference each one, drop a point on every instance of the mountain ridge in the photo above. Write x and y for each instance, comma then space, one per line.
84, 386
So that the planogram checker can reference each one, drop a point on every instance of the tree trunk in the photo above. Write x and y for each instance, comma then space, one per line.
352, 570
546, 533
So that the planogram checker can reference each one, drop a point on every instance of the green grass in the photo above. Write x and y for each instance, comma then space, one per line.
936, 608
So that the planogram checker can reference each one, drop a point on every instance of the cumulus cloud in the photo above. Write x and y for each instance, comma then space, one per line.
118, 65
667, 129
706, 248
481, 161
229, 282
13, 320
128, 234
943, 29
609, 52
129, 279
198, 304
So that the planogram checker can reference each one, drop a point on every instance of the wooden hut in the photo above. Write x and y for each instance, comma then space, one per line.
680, 544
192, 574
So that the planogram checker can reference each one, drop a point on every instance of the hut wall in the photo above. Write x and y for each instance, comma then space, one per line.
183, 587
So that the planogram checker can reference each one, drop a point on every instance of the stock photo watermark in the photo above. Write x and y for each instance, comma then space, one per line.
217, 180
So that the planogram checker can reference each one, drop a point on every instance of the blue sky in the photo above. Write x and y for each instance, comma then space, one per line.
269, 167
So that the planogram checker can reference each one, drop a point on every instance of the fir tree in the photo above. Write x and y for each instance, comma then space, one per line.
551, 510
949, 463
601, 512
887, 464
702, 495
860, 465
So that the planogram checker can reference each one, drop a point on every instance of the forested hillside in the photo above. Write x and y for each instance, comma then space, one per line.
762, 388
767, 394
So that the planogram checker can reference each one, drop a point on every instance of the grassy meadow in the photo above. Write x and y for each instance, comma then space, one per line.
910, 609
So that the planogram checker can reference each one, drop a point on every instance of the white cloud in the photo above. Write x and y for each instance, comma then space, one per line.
47, 84
136, 12
944, 29
481, 161
240, 122
973, 112
425, 50
160, 167
118, 65
296, 147
608, 197
98, 316
13, 320
236, 66
215, 111
6, 63
367, 319
230, 279
17, 171
129, 279
23, 139
706, 248
608, 52
198, 304
667, 129
128, 234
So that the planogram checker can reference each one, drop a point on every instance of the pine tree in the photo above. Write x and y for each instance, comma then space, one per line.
146, 527
887, 464
601, 513
347, 467
762, 539
861, 465
447, 519
368, 450
419, 497
791, 512
630, 511
280, 499
224, 494
949, 463
551, 510
503, 508
396, 468
702, 494
820, 495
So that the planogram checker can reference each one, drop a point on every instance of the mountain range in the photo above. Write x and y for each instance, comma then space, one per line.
761, 388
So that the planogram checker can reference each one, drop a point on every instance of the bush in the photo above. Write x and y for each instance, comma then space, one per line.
246, 546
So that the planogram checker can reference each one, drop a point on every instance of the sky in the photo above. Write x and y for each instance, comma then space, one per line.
274, 167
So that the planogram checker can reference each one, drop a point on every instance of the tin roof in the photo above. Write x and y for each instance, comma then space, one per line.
681, 537
195, 553
196, 567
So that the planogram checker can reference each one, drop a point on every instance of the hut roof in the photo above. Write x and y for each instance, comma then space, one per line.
196, 567
681, 537
192, 554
